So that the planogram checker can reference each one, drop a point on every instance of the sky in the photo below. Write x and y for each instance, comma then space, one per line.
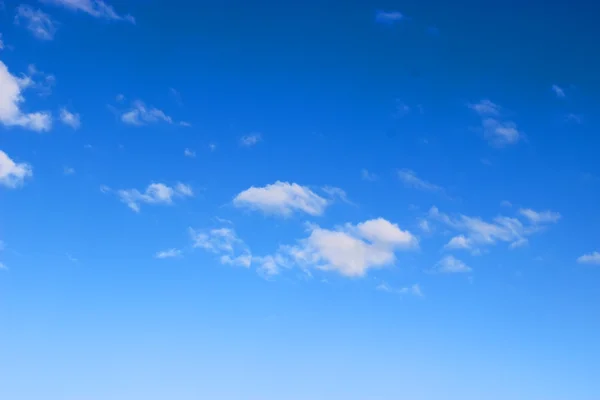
301, 200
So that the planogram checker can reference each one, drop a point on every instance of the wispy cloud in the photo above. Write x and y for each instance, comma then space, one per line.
68, 171
70, 119
223, 242
590, 258
155, 193
36, 21
558, 91
95, 8
414, 290
12, 174
540, 217
139, 115
452, 265
388, 17
250, 140
189, 153
410, 179
170, 253
368, 176
497, 131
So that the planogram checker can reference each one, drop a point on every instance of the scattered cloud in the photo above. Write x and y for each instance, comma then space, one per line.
388, 17
458, 242
335, 193
170, 253
425, 226
36, 21
189, 153
11, 100
368, 176
540, 217
558, 91
70, 119
95, 8
223, 242
414, 290
350, 250
212, 147
250, 140
410, 179
590, 258
452, 265
496, 130
575, 118
282, 198
139, 115
155, 193
12, 174
68, 171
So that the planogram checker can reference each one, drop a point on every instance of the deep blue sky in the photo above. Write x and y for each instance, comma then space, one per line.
300, 200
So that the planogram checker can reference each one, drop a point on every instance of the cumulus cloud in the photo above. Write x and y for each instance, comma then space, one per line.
95, 8
497, 131
452, 265
410, 179
414, 290
225, 244
250, 140
590, 258
36, 21
12, 174
281, 198
11, 100
458, 242
388, 17
70, 119
139, 115
155, 193
350, 250
170, 253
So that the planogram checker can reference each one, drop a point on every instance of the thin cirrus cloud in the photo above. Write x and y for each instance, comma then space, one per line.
40, 24
250, 140
139, 114
366, 175
388, 17
414, 289
13, 174
282, 198
590, 258
498, 131
11, 99
70, 119
155, 193
225, 244
558, 91
95, 8
170, 253
410, 179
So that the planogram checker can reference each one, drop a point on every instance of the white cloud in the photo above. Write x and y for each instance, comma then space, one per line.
120, 98
281, 198
3, 267
13, 175
350, 250
250, 140
1, 42
212, 147
336, 193
189, 153
497, 131
139, 115
425, 226
590, 258
506, 203
95, 8
451, 265
170, 253
458, 242
11, 99
368, 176
70, 119
578, 119
36, 21
558, 91
155, 193
414, 290
388, 17
411, 179
223, 242
540, 217
68, 171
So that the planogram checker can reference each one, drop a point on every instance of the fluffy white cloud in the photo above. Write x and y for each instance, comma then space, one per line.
170, 253
155, 193
388, 17
95, 8
13, 174
36, 21
540, 217
496, 130
591, 258
139, 115
410, 179
478, 232
11, 99
281, 198
350, 250
250, 140
558, 91
70, 119
223, 242
451, 265
414, 290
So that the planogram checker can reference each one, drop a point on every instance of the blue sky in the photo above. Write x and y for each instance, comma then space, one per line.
263, 200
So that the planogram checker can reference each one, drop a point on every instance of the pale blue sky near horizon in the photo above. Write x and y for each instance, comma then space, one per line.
312, 200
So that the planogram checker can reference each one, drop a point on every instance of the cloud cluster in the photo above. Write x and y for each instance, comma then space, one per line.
70, 119
12, 174
155, 193
497, 130
139, 115
224, 242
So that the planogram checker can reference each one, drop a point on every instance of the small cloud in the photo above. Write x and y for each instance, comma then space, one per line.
185, 124
506, 203
68, 171
189, 153
88, 146
155, 193
176, 96
452, 265
458, 242
71, 258
36, 21
250, 140
485, 107
574, 118
558, 91
540, 217
497, 131
95, 8
425, 226
212, 147
590, 258
12, 174
3, 267
140, 115
410, 179
1, 42
70, 119
414, 290
170, 253
388, 17
336, 193
224, 243
402, 109
120, 98
104, 189
368, 176
223, 221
